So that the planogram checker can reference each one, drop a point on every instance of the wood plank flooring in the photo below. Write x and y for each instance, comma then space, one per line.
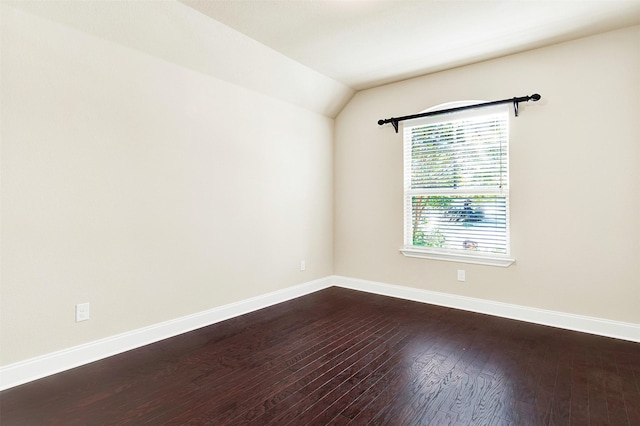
339, 357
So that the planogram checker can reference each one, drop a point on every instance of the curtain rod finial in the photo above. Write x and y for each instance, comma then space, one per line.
535, 97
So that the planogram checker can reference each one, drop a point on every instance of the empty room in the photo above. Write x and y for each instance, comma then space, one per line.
320, 212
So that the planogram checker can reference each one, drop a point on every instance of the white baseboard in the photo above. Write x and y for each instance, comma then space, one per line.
46, 365
591, 325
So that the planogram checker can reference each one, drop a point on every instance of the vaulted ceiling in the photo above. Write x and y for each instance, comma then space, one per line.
316, 54
366, 43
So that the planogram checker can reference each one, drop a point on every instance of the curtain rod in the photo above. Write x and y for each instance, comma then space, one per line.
394, 121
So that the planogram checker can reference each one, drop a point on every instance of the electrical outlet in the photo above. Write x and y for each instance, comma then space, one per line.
82, 312
303, 265
461, 275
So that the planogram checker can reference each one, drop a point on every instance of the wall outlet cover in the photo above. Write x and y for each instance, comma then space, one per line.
82, 312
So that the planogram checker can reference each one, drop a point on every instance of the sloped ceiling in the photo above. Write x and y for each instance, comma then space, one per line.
366, 43
176, 33
317, 53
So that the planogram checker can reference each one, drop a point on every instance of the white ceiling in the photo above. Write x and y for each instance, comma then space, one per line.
367, 43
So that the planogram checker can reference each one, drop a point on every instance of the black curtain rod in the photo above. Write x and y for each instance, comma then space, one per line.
394, 121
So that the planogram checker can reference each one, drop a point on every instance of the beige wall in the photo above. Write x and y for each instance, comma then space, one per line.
156, 183
148, 189
575, 180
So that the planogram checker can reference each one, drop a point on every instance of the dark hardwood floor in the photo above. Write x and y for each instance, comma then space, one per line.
340, 357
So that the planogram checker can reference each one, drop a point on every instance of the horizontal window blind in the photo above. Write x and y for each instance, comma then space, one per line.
456, 182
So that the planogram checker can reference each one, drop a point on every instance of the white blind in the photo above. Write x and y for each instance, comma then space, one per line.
457, 182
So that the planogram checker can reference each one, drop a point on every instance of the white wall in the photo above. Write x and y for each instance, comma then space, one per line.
147, 188
575, 180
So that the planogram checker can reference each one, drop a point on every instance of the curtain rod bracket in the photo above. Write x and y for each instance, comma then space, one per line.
516, 101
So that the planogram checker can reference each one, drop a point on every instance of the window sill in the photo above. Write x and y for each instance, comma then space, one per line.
455, 257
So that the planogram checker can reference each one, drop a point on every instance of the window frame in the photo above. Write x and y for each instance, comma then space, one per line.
410, 250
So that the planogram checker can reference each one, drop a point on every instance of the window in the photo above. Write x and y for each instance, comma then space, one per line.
456, 190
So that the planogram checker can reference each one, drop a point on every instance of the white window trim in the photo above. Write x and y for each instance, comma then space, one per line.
426, 253
412, 251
